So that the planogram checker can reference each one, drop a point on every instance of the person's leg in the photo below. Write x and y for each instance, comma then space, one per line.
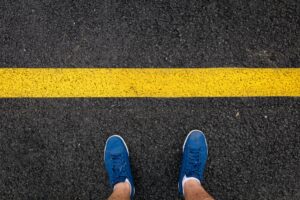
194, 191
121, 192
192, 167
116, 159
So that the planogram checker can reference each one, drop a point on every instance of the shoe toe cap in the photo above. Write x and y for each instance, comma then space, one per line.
196, 137
115, 145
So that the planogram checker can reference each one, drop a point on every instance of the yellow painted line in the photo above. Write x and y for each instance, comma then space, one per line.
149, 82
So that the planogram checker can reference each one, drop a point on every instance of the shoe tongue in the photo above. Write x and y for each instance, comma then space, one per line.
194, 162
119, 180
119, 177
192, 174
118, 167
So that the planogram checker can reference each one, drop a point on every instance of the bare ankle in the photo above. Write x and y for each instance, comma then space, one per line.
191, 184
123, 187
194, 190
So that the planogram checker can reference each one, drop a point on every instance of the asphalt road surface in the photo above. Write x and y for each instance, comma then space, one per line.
53, 148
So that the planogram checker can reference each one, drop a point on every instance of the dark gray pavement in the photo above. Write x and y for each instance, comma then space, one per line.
53, 148
149, 33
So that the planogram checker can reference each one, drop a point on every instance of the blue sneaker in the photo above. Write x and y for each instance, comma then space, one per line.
194, 158
116, 159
